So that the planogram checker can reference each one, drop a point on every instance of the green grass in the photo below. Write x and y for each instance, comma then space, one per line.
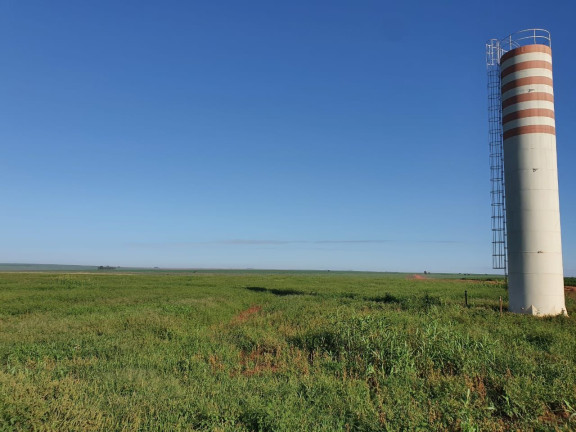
275, 351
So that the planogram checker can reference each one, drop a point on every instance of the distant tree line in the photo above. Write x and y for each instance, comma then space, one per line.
107, 268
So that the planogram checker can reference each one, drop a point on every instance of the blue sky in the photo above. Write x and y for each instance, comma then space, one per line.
310, 134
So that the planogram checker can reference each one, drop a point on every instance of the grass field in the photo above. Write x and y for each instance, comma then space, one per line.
277, 351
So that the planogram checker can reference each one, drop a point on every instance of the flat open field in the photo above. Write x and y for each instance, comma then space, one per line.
277, 351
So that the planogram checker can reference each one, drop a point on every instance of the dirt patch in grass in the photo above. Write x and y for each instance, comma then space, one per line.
259, 361
416, 277
246, 314
553, 417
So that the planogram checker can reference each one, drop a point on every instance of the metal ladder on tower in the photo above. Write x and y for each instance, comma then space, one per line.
497, 193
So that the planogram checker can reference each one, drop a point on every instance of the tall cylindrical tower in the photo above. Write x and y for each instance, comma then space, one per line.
535, 273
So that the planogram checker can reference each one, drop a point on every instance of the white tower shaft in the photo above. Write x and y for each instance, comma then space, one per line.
536, 279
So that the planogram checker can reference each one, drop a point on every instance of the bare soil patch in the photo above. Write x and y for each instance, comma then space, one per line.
416, 277
246, 314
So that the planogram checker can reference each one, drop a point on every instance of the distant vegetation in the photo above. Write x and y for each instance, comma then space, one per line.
43, 267
277, 352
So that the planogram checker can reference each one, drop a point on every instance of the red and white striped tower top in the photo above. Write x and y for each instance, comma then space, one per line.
527, 92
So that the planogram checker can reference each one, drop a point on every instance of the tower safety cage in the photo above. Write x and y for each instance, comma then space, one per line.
497, 192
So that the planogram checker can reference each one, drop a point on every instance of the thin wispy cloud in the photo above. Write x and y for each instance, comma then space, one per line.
272, 242
276, 242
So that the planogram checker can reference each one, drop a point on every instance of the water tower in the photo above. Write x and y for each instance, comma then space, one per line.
524, 176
